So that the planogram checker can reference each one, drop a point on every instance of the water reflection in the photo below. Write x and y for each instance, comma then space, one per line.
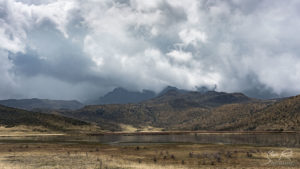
280, 140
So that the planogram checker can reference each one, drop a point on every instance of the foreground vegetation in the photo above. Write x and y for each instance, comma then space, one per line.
155, 156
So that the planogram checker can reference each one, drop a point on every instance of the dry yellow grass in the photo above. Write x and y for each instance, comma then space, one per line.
26, 131
22, 130
164, 156
130, 128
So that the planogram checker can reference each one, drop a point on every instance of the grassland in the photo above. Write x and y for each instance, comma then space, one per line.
151, 156
18, 122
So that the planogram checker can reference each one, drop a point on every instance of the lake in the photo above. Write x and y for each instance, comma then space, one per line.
262, 139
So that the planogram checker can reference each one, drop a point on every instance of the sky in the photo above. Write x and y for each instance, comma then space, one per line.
81, 49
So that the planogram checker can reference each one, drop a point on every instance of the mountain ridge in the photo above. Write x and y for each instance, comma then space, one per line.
165, 111
123, 96
36, 104
177, 109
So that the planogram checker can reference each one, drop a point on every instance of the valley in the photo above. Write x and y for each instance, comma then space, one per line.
175, 129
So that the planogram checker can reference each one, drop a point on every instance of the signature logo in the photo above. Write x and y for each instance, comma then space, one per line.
280, 158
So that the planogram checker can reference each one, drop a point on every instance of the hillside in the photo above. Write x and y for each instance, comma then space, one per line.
184, 110
12, 117
283, 115
172, 110
42, 104
179, 99
279, 115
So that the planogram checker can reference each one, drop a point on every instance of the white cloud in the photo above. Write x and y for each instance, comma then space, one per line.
180, 56
145, 5
7, 84
192, 36
18, 18
10, 43
148, 44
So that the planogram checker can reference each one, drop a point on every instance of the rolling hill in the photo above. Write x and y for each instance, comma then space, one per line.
42, 104
276, 115
282, 115
12, 117
174, 110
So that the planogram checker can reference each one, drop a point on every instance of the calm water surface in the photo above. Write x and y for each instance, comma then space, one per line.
280, 140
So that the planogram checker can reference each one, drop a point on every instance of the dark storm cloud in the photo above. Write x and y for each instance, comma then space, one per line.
81, 49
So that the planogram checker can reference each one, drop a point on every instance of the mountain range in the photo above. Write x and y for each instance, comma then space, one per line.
176, 109
123, 96
194, 110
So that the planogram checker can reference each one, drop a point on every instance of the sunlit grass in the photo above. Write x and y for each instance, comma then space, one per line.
158, 156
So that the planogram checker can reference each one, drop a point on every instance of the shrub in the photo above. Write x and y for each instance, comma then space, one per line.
249, 155
173, 157
154, 160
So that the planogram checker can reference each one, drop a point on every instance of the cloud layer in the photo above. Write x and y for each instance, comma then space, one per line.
75, 49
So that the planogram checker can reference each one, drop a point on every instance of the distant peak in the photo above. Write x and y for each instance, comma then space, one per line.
32, 99
123, 96
119, 89
204, 89
171, 89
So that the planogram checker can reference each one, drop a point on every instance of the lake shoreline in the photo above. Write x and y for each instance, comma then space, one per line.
192, 132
